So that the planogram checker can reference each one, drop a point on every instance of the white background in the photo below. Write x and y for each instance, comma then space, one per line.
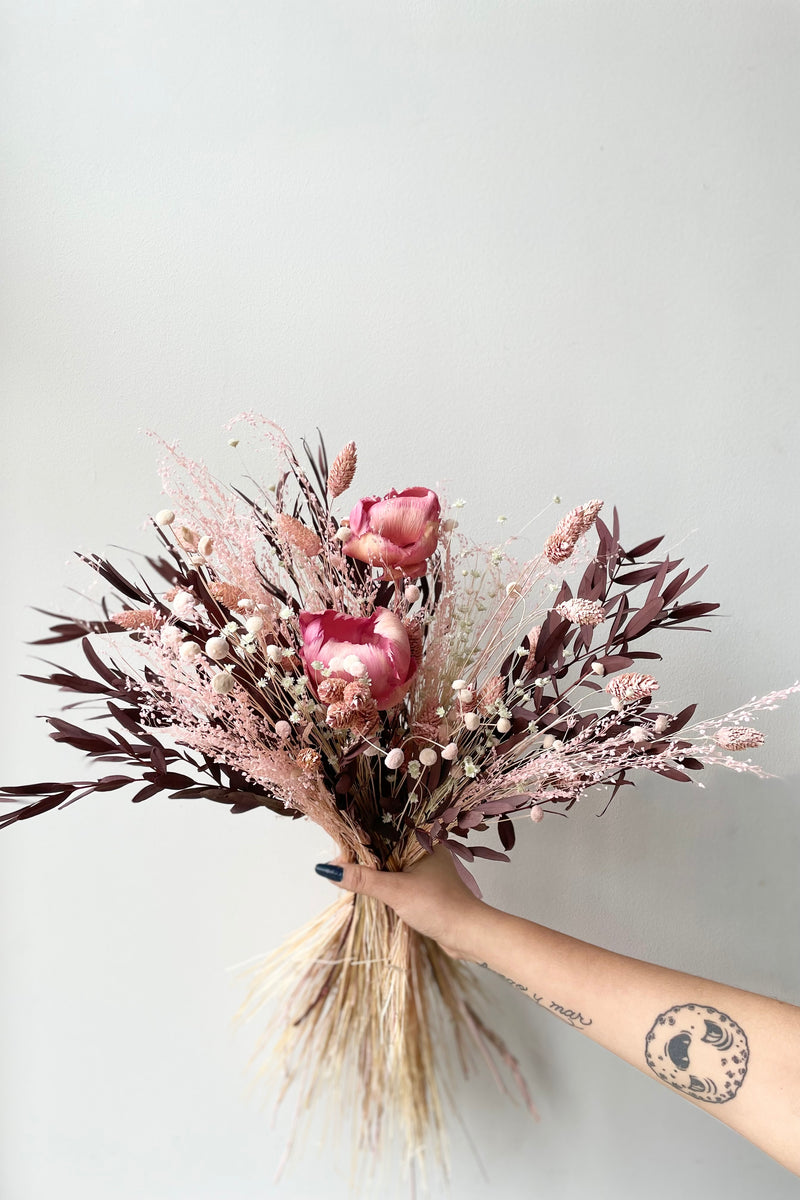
523, 248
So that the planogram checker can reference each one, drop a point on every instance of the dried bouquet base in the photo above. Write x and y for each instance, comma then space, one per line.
370, 1010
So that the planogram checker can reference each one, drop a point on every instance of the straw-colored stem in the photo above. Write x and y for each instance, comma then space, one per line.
369, 1007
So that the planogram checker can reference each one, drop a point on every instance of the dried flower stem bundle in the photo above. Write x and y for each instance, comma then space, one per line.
378, 674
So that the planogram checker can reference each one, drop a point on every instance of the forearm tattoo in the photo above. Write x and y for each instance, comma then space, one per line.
699, 1051
576, 1019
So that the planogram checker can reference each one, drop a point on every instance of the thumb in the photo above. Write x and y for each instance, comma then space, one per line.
353, 877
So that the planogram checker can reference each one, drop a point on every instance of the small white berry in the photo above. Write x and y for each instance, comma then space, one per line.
394, 759
471, 721
450, 752
189, 651
165, 517
412, 593
503, 725
254, 624
223, 683
217, 648
428, 756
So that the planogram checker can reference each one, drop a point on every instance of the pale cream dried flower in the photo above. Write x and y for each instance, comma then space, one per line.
738, 737
342, 471
582, 612
631, 686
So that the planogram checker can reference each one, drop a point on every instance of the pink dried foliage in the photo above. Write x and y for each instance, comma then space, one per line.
210, 510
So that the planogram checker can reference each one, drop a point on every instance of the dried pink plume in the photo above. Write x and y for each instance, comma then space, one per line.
738, 737
582, 612
341, 473
298, 535
138, 618
631, 686
561, 543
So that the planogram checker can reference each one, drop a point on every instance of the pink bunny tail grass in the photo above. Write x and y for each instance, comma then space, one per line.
342, 471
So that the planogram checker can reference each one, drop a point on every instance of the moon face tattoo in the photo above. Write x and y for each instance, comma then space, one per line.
699, 1051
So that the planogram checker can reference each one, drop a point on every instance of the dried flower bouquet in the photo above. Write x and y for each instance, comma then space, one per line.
401, 687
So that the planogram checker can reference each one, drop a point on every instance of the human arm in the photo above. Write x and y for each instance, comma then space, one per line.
734, 1053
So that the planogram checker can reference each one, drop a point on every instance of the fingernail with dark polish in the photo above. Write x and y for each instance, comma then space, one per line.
328, 871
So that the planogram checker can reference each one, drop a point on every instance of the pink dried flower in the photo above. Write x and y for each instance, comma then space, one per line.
398, 532
226, 593
590, 513
562, 541
492, 691
331, 690
379, 642
338, 715
582, 612
283, 729
631, 686
298, 535
413, 628
342, 471
357, 696
738, 737
138, 618
309, 761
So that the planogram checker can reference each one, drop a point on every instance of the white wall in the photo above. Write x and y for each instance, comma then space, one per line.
525, 247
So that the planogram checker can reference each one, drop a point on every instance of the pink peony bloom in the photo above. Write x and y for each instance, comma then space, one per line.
350, 646
397, 532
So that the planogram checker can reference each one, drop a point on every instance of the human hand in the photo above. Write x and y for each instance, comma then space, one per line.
429, 896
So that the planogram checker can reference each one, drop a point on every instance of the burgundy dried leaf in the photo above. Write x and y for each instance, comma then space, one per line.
425, 840
508, 835
670, 773
641, 620
644, 547
147, 792
641, 575
466, 875
462, 851
487, 852
682, 718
